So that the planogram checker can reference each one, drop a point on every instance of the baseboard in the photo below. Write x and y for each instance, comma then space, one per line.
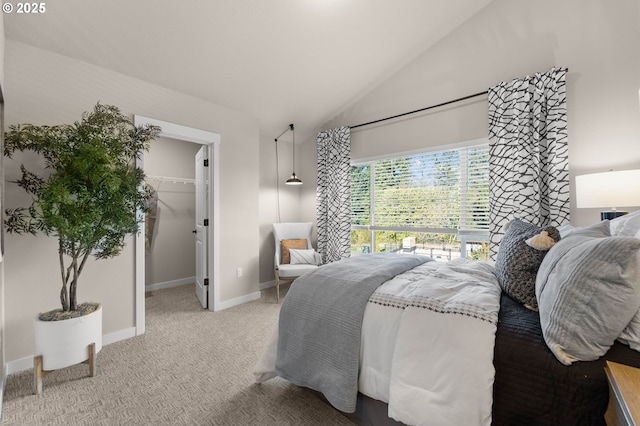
167, 284
117, 336
20, 365
238, 301
266, 285
26, 363
3, 382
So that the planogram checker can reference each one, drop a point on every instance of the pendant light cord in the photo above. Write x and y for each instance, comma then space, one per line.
278, 183
291, 129
294, 149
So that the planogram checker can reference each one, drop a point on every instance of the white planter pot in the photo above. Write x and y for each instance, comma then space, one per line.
65, 343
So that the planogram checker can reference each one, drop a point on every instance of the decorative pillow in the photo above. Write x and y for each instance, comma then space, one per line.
627, 225
542, 241
588, 291
631, 334
286, 245
597, 230
518, 262
305, 257
566, 228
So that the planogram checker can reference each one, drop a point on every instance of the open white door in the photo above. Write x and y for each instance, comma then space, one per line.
202, 190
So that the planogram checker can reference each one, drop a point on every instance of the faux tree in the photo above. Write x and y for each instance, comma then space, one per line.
90, 191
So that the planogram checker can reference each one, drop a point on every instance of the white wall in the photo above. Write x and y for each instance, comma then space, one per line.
172, 253
598, 40
46, 88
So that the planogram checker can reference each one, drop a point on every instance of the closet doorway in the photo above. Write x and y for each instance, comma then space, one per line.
173, 170
170, 258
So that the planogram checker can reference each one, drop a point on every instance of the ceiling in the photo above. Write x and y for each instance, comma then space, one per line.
281, 61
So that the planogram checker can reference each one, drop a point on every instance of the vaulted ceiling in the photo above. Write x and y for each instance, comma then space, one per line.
281, 61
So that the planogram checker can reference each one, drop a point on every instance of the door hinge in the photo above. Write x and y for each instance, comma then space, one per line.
206, 222
206, 281
206, 163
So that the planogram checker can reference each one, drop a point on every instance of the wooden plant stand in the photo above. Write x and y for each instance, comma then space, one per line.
39, 373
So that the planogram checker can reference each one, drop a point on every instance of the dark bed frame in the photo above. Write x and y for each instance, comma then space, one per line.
531, 386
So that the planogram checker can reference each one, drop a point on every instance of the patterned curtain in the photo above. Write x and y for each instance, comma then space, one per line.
528, 152
334, 194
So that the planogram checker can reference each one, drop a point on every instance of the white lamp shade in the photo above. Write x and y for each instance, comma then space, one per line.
609, 189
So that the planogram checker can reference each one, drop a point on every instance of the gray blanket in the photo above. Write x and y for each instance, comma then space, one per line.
321, 320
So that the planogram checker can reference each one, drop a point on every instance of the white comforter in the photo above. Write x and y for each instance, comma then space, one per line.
427, 344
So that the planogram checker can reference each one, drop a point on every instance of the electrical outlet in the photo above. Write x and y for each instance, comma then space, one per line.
238, 272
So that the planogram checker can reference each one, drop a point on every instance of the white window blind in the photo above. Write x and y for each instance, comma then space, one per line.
444, 192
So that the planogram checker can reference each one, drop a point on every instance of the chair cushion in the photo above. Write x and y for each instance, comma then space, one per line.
285, 245
291, 271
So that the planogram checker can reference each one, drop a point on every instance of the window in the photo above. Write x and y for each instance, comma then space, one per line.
434, 203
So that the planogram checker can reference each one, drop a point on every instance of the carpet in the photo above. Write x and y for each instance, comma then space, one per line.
191, 367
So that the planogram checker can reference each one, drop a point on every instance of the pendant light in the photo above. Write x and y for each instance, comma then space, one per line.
293, 180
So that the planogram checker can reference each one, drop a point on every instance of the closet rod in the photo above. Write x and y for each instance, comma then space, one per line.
171, 179
421, 109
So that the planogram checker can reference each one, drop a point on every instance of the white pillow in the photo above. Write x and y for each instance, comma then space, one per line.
566, 228
627, 225
305, 257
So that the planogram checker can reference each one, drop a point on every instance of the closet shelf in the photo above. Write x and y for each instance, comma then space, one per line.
171, 179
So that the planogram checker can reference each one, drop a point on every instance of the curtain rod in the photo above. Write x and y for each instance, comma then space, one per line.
422, 109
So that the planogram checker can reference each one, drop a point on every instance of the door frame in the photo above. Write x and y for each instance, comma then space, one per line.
202, 137
201, 237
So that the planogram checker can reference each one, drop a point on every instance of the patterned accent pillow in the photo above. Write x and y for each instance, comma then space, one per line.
304, 257
517, 262
588, 290
286, 245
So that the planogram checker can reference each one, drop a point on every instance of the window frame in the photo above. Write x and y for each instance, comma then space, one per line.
464, 238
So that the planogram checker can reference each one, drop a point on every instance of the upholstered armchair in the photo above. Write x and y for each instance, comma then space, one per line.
294, 254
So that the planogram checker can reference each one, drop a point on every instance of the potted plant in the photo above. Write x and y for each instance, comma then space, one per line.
87, 197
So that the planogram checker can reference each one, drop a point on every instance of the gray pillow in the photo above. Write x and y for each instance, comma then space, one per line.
631, 334
588, 291
517, 262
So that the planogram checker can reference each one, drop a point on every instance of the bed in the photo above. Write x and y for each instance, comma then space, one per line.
538, 390
434, 344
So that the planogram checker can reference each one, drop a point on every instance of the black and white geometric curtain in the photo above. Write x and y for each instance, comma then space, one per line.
334, 194
528, 152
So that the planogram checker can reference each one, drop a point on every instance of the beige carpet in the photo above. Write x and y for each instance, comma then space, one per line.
191, 367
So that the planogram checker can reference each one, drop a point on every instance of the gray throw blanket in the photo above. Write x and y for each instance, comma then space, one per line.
321, 321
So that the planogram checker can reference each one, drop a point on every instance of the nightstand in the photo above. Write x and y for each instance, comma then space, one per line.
624, 395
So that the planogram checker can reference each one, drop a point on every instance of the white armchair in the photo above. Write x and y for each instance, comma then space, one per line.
292, 234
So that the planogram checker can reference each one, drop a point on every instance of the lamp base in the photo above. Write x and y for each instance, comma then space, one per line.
611, 215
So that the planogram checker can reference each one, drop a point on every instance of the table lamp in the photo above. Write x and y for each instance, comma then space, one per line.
609, 190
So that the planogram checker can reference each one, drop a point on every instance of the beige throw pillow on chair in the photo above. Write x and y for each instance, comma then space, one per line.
285, 245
